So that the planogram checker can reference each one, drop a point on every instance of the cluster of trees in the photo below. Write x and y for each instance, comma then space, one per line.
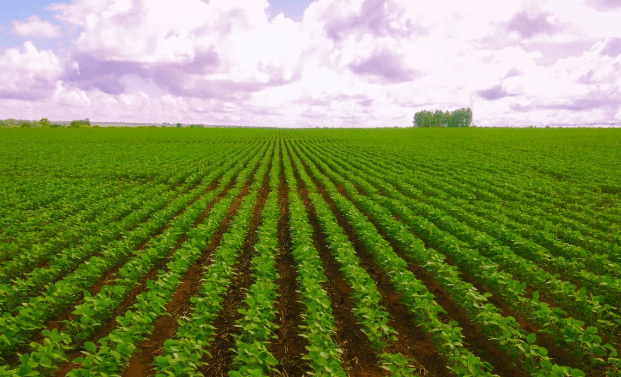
12, 122
180, 125
457, 118
44, 122
80, 123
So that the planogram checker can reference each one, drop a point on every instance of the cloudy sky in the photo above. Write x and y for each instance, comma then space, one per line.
329, 63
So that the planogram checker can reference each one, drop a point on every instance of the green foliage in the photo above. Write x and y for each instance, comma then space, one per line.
11, 122
44, 122
80, 123
527, 214
457, 118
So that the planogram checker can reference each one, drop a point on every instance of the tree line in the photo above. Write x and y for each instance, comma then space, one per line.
457, 118
44, 122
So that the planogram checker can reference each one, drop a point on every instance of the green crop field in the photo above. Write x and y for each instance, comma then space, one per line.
255, 252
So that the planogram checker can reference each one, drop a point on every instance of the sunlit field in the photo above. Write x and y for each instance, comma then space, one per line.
331, 252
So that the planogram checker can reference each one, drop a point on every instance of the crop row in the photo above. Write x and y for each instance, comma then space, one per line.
434, 186
416, 297
116, 347
41, 225
596, 309
184, 354
511, 193
17, 329
586, 340
319, 324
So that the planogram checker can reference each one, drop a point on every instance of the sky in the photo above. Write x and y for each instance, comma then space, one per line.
305, 63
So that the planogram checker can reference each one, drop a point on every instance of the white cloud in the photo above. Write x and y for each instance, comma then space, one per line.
28, 73
36, 27
345, 63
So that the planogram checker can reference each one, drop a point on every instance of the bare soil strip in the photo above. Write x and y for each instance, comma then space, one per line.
112, 323
166, 326
557, 353
112, 272
288, 347
222, 349
412, 341
359, 359
561, 355
58, 322
474, 339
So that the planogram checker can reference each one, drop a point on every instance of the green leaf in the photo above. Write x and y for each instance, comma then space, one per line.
577, 373
45, 362
25, 358
161, 361
24, 370
531, 338
90, 346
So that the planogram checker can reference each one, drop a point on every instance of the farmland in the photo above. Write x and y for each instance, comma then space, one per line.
250, 252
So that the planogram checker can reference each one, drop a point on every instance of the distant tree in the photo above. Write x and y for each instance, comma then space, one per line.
464, 117
424, 119
178, 125
11, 122
80, 123
454, 119
427, 119
446, 119
457, 115
438, 116
44, 122
418, 119
457, 118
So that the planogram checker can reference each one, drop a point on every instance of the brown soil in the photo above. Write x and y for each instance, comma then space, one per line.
359, 359
106, 279
544, 340
112, 323
560, 354
110, 273
288, 347
474, 339
222, 349
58, 321
166, 325
46, 262
412, 341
